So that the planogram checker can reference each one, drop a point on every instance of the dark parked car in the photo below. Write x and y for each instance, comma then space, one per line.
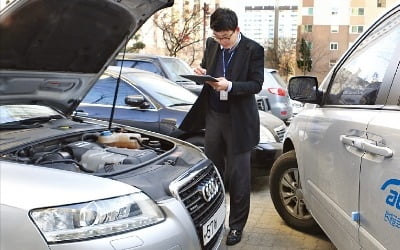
151, 102
166, 66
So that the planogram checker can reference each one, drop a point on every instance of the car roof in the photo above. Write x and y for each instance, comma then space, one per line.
114, 70
124, 70
128, 56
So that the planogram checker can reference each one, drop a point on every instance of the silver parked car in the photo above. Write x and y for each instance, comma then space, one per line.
341, 164
275, 92
69, 183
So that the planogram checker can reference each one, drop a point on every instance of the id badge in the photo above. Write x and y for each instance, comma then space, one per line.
223, 95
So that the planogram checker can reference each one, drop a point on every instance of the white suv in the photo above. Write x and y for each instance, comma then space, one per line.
340, 170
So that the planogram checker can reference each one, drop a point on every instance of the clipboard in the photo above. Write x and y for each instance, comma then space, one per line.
200, 79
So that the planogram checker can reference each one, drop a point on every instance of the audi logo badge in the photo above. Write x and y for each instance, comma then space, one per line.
209, 189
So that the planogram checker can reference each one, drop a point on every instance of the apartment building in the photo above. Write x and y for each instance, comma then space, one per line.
260, 20
330, 27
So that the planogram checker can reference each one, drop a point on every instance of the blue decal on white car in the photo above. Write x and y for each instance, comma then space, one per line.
393, 200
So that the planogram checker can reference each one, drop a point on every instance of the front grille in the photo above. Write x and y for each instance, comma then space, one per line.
280, 131
200, 210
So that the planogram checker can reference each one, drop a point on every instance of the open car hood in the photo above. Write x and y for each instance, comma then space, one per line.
53, 51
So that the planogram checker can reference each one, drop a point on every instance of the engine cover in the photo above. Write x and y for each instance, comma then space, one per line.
95, 158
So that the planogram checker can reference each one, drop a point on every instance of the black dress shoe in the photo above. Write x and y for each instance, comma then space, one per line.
234, 237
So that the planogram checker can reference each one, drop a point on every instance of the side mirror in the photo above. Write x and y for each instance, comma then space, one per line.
304, 89
136, 101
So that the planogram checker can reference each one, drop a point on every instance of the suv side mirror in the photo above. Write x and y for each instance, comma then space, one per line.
304, 89
136, 101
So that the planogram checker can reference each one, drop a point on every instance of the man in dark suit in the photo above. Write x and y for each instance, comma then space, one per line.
227, 110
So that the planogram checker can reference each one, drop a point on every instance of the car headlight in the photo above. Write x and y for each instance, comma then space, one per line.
97, 218
265, 135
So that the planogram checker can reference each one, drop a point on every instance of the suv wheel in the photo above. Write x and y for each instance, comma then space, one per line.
287, 195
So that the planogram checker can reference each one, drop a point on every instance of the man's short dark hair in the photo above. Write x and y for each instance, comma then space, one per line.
223, 19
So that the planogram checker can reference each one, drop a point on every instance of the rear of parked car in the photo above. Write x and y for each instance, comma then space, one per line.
274, 91
340, 170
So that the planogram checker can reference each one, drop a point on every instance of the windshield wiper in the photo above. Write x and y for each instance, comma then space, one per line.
34, 122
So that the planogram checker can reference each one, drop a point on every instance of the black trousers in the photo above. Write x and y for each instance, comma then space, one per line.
233, 167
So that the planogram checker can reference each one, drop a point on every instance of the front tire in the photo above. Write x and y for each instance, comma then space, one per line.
287, 194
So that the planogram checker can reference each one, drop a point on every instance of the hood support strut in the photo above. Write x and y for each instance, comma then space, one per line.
117, 87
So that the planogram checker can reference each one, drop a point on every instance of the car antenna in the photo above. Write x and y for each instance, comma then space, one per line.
117, 86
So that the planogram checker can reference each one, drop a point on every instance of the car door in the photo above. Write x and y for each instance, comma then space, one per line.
98, 104
380, 174
356, 93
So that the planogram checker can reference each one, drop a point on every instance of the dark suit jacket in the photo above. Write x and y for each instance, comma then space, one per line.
246, 72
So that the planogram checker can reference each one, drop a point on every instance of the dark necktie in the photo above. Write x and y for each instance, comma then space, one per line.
226, 57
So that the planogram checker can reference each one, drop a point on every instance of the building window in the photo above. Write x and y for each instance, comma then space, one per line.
333, 46
332, 63
334, 28
381, 3
309, 44
308, 28
357, 11
334, 11
356, 29
308, 11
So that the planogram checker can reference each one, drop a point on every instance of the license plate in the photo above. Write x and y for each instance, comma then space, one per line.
213, 224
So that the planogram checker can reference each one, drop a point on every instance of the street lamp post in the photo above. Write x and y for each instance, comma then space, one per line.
276, 25
206, 9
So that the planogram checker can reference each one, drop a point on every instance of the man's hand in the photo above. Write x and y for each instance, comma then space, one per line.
221, 85
200, 71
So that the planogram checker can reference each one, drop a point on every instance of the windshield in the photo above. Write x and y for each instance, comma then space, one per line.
177, 67
13, 113
164, 91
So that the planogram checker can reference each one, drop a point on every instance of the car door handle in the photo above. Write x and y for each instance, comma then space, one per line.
379, 150
366, 145
352, 141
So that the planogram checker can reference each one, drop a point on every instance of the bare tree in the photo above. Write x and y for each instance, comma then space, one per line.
282, 58
180, 29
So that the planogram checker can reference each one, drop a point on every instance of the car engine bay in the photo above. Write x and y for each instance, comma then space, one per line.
92, 152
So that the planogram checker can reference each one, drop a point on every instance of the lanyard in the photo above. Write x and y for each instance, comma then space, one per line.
224, 67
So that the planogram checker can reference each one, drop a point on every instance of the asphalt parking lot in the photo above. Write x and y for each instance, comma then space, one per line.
266, 230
